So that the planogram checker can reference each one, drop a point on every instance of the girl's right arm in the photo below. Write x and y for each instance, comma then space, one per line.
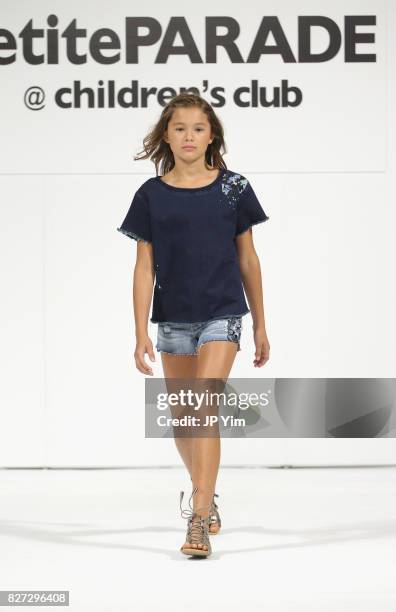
143, 282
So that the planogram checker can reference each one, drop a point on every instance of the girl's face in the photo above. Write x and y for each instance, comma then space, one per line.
188, 134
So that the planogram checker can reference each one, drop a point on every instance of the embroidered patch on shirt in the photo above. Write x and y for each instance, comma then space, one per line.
232, 186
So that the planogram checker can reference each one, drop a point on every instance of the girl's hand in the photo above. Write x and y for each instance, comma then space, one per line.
262, 347
143, 346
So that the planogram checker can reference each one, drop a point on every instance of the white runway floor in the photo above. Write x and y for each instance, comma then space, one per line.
309, 540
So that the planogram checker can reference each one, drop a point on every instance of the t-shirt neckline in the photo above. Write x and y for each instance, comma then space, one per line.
173, 188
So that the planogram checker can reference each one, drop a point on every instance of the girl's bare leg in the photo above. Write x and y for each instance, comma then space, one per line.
215, 360
181, 366
201, 456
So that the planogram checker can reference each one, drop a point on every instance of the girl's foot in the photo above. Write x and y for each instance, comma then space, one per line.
197, 541
214, 516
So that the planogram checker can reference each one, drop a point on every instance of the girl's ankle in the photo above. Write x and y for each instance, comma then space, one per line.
198, 517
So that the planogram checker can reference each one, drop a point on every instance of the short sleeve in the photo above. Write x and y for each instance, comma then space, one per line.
137, 224
249, 210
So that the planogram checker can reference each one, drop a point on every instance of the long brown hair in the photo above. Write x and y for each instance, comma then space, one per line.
159, 151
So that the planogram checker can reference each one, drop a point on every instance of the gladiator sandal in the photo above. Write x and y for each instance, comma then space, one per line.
214, 517
197, 538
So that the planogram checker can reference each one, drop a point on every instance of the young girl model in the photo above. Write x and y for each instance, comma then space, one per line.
194, 239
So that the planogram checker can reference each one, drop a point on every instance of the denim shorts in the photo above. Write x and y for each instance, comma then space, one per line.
186, 338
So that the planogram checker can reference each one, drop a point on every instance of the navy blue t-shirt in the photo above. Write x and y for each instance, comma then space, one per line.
192, 233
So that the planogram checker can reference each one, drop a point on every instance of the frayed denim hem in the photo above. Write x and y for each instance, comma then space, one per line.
170, 353
132, 235
221, 340
202, 343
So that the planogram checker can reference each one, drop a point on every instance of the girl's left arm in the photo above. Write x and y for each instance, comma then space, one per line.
249, 265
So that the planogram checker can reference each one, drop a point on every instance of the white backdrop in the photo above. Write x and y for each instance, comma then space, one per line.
324, 171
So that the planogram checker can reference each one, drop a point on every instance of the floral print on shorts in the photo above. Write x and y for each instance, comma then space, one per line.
234, 327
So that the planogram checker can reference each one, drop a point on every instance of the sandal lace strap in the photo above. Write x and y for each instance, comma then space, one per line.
197, 532
189, 512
